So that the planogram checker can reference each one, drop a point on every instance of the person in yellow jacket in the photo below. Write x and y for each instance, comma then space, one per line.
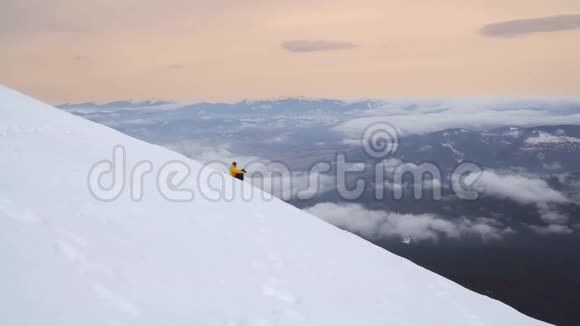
234, 172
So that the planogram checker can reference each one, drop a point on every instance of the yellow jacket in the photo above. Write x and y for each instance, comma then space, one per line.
234, 171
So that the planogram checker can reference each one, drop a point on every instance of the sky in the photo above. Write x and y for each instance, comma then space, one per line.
82, 50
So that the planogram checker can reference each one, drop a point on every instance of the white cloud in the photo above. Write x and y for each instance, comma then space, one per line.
551, 215
522, 189
395, 187
430, 116
297, 184
266, 175
420, 227
390, 165
553, 166
552, 229
351, 141
218, 157
528, 190
560, 132
432, 184
277, 140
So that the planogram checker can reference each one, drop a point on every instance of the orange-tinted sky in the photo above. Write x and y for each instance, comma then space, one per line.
76, 50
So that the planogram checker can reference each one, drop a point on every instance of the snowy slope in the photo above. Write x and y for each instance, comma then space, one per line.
69, 259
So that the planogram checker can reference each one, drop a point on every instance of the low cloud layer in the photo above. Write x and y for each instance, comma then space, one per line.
424, 116
316, 45
514, 28
376, 224
531, 191
264, 174
552, 229
522, 189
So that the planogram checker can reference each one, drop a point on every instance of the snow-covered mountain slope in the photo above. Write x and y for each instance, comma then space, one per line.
539, 140
69, 259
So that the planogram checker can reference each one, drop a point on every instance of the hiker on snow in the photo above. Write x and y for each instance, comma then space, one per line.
234, 172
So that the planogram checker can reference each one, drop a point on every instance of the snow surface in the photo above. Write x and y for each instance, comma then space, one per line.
69, 259
457, 154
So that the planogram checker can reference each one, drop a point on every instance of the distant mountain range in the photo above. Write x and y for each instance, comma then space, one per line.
113, 105
537, 149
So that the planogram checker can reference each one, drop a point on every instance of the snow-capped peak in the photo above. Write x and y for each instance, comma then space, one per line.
540, 142
543, 138
70, 259
513, 132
